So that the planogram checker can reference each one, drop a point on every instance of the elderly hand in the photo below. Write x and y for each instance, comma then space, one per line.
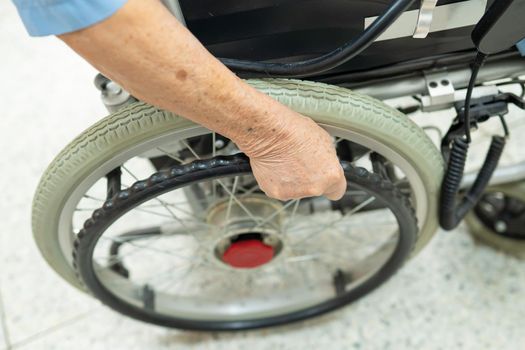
296, 159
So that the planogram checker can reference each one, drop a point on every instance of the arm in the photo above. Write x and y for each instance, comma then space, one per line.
146, 50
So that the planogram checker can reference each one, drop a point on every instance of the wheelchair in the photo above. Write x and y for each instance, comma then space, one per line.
162, 220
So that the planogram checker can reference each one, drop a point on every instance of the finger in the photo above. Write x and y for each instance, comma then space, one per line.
337, 190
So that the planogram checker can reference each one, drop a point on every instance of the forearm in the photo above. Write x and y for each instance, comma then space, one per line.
147, 51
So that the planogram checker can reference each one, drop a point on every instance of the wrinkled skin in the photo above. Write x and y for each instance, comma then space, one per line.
296, 162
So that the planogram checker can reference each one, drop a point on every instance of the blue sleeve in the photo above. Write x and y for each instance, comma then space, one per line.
53, 17
521, 47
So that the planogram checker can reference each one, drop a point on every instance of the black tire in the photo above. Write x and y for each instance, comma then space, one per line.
180, 176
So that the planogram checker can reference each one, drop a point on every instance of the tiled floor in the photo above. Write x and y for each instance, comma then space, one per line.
455, 294
4, 339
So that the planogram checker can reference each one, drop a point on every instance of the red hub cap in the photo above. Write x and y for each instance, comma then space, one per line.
248, 254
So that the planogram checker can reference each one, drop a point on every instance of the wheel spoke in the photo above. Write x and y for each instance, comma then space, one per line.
147, 247
145, 208
239, 203
190, 149
86, 209
277, 212
230, 201
173, 216
176, 208
93, 198
171, 155
249, 191
317, 253
303, 258
213, 154
344, 217
292, 215
313, 226
180, 279
152, 239
148, 279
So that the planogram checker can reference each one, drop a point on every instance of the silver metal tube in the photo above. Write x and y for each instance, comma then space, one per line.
174, 7
394, 88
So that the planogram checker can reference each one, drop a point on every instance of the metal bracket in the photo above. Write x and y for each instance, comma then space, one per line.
424, 20
441, 93
113, 95
440, 89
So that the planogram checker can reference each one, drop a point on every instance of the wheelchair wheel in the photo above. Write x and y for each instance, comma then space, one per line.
218, 221
499, 219
253, 261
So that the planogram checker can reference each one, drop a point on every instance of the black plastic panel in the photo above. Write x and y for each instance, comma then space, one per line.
501, 27
289, 30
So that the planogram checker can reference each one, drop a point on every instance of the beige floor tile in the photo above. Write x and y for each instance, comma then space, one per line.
454, 295
4, 337
32, 131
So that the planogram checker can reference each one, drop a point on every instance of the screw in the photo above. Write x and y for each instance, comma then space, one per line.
500, 226
219, 143
112, 89
499, 195
487, 207
270, 240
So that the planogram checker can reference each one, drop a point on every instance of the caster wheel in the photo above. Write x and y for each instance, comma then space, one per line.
499, 219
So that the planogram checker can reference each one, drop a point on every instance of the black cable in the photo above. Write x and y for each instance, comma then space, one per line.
476, 65
504, 125
450, 211
330, 60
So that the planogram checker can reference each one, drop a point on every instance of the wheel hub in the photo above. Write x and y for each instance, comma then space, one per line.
250, 231
248, 253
